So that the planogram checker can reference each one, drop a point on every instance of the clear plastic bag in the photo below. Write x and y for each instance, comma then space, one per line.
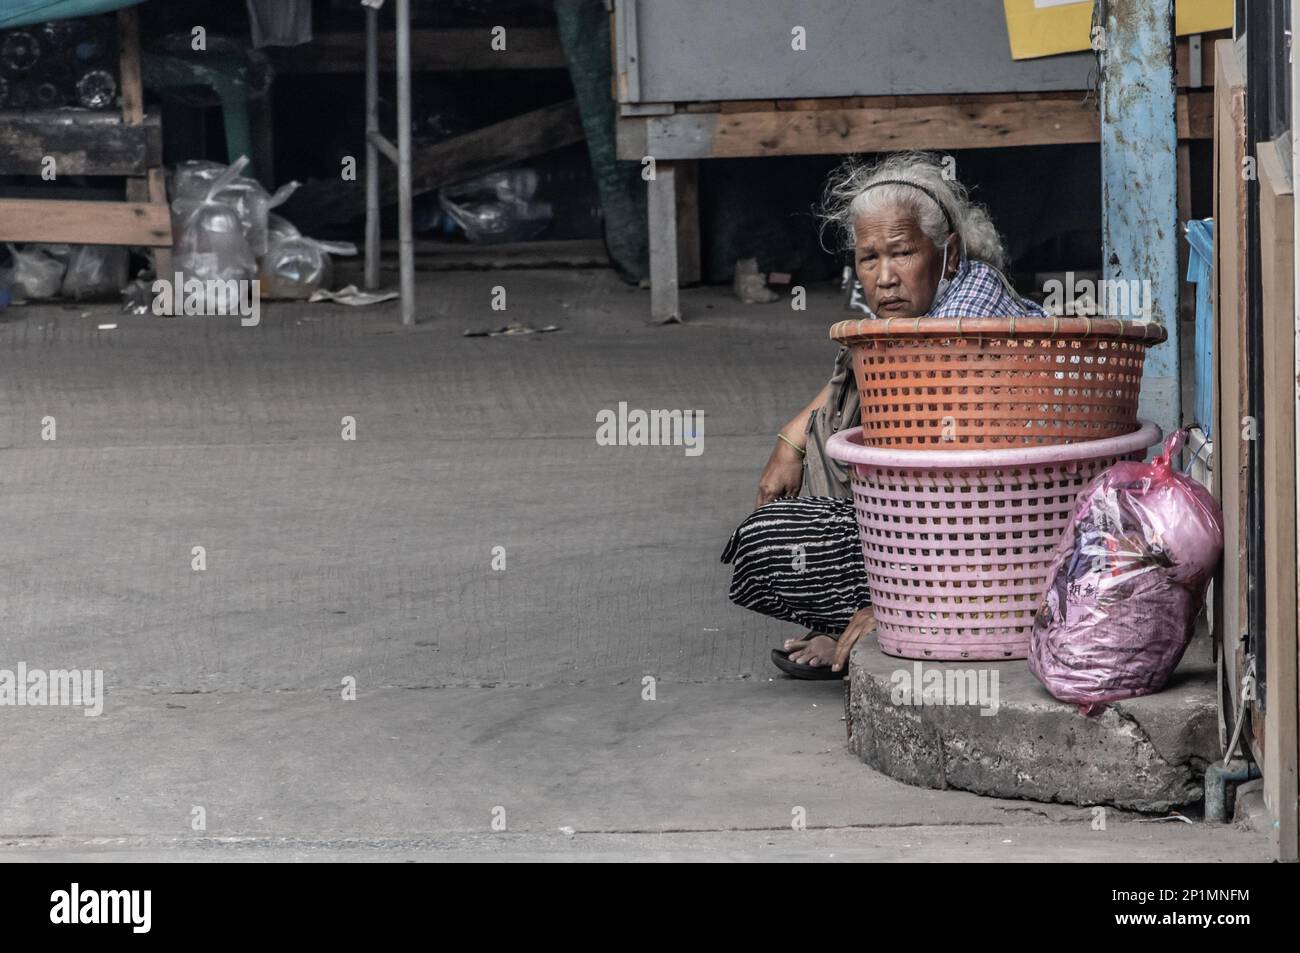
279, 228
96, 272
497, 207
1127, 582
35, 272
210, 243
297, 266
194, 182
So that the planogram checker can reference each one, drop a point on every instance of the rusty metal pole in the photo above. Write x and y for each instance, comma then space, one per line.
1139, 169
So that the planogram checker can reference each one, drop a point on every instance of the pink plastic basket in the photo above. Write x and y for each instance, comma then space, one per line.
957, 542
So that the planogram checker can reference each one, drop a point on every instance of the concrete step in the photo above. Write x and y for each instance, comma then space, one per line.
1001, 734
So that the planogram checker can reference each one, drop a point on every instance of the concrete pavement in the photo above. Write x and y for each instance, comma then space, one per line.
371, 560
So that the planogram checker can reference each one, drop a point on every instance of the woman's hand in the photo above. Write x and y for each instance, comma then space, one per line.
782, 476
862, 623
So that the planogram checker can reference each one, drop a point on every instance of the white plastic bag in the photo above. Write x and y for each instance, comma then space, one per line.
35, 273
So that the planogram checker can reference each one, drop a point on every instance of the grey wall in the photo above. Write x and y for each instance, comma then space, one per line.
693, 50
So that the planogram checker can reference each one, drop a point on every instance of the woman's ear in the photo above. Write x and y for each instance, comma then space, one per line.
952, 245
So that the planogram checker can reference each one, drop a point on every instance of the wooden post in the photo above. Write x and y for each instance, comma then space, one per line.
153, 187
1277, 245
688, 222
1186, 293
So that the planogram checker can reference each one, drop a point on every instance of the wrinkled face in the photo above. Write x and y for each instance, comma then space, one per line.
897, 263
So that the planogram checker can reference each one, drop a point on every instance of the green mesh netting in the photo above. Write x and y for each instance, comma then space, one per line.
584, 33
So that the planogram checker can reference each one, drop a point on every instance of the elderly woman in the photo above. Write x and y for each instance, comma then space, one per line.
920, 247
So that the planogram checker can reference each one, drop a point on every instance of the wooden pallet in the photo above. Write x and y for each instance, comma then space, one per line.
93, 144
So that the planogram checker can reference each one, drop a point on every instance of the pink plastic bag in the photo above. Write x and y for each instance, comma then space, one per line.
1126, 584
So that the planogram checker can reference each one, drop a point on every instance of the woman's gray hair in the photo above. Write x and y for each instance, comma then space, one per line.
852, 191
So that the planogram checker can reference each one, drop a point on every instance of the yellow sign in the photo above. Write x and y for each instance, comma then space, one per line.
1046, 27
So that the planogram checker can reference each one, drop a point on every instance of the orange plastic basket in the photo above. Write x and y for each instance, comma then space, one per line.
989, 383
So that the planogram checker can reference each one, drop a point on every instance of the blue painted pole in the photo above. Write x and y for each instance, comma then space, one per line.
1139, 169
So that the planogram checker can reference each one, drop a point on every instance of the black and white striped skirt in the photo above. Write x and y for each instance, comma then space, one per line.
800, 560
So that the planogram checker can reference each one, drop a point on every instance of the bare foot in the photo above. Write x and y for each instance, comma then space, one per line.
814, 649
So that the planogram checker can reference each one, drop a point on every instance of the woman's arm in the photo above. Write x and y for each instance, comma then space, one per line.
783, 474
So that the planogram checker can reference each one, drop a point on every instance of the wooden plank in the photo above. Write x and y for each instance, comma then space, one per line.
747, 105
877, 102
330, 201
81, 143
646, 109
630, 141
829, 102
88, 223
1230, 450
1277, 284
432, 51
942, 125
1194, 113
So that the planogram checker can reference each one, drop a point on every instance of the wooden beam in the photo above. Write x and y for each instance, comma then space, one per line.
1194, 113
85, 223
327, 202
924, 123
81, 143
1231, 387
432, 51
1277, 281
128, 43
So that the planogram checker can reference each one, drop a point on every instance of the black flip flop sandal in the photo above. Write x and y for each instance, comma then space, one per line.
812, 673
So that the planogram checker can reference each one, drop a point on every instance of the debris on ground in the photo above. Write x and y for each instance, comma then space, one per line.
749, 284
352, 295
510, 329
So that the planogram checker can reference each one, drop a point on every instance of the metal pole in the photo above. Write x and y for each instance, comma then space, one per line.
1139, 168
406, 242
372, 153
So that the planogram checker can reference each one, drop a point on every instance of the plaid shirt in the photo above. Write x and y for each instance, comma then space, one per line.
977, 289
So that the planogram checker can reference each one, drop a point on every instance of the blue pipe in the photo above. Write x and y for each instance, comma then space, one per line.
1139, 166
1217, 778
